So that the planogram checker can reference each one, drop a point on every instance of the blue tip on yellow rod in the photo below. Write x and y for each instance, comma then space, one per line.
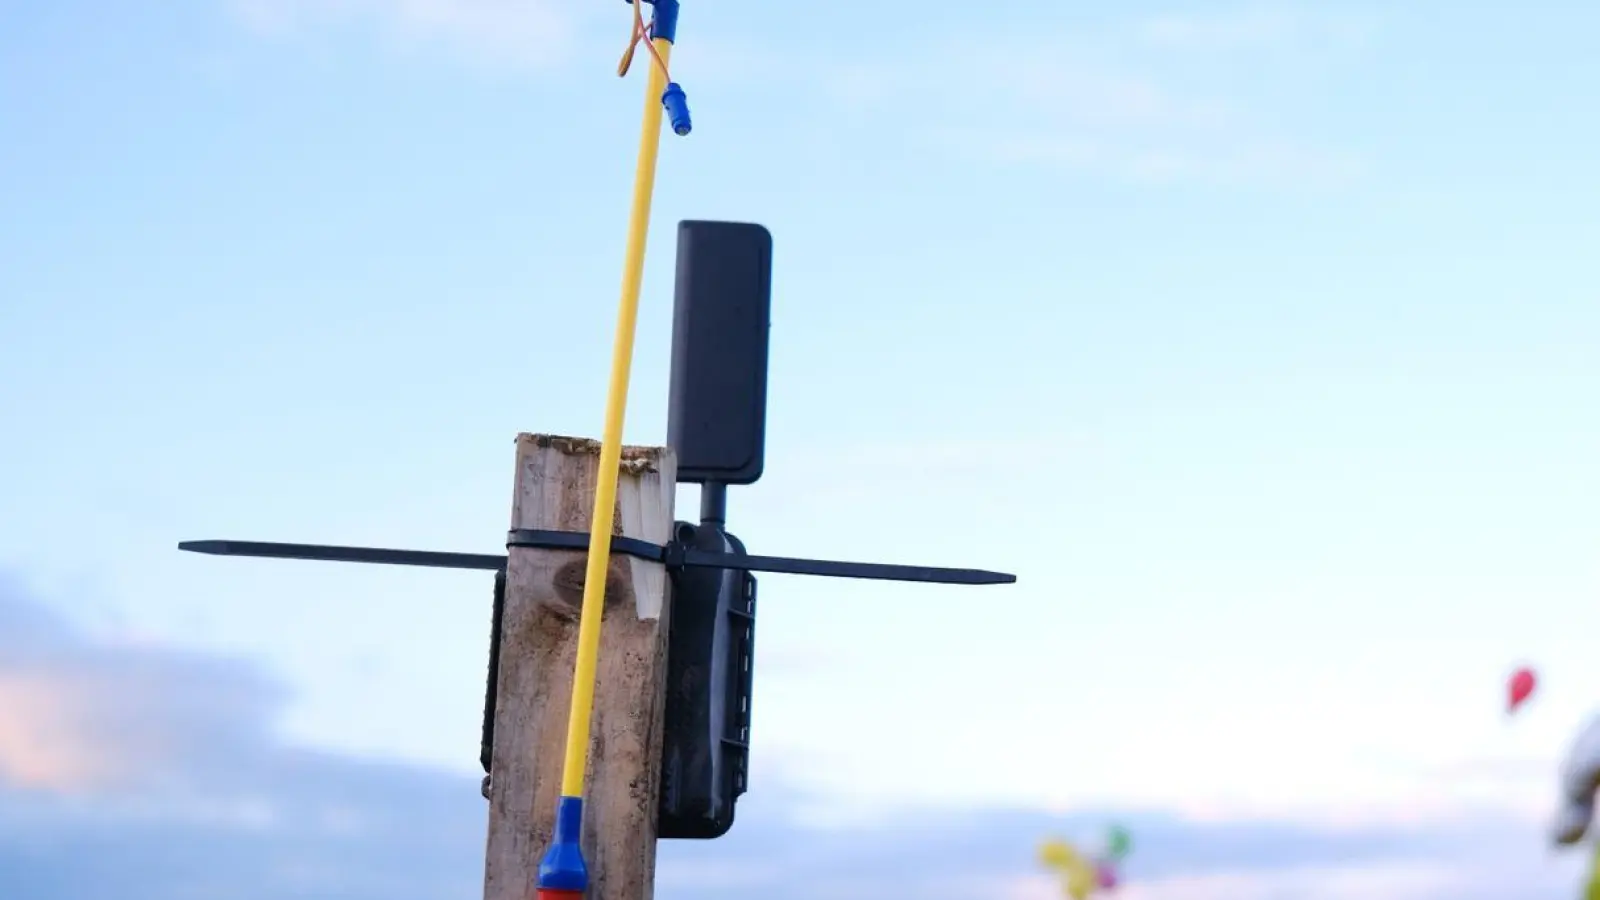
562, 874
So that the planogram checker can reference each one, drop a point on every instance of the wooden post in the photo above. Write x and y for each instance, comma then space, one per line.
555, 486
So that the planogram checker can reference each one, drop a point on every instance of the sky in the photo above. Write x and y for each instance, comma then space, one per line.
1253, 337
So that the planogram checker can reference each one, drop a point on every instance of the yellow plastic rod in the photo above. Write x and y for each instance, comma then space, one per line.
605, 492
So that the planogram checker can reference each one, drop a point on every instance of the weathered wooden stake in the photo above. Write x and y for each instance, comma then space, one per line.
555, 485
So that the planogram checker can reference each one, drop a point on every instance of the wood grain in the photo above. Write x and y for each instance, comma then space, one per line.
555, 485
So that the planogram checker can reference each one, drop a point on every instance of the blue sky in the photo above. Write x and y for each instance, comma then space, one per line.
1253, 337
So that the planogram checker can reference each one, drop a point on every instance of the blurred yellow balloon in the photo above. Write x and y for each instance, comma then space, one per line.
1591, 891
1077, 876
1080, 883
1058, 854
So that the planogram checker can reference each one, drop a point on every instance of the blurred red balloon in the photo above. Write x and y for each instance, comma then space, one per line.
1519, 688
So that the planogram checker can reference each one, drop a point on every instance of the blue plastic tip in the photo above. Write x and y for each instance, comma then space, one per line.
677, 105
664, 21
562, 868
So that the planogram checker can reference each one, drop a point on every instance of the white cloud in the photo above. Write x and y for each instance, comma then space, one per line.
1255, 26
521, 32
1462, 878
1096, 708
1273, 27
1167, 159
45, 738
246, 817
1130, 100
1140, 119
1409, 881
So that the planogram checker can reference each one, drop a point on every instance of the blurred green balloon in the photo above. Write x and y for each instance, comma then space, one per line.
1118, 842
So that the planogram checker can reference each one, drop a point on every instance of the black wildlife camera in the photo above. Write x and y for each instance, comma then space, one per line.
716, 426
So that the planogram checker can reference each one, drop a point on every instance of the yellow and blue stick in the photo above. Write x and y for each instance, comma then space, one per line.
563, 874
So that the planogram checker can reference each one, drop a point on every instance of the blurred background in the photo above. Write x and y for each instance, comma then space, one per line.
1257, 338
